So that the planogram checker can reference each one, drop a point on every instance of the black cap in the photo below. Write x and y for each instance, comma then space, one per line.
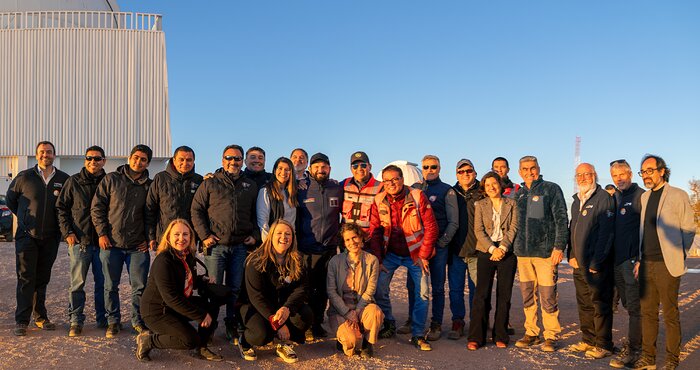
319, 157
359, 156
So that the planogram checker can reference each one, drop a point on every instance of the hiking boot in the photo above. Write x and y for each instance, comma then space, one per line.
405, 328
581, 347
144, 344
206, 354
286, 353
247, 353
434, 332
45, 324
472, 346
388, 329
597, 353
644, 363
670, 365
112, 330
421, 344
457, 330
527, 341
138, 329
20, 330
550, 345
75, 330
625, 358
102, 324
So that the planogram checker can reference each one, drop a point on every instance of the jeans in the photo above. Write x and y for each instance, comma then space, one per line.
81, 257
34, 259
420, 296
628, 288
459, 271
658, 286
594, 300
137, 264
226, 264
438, 272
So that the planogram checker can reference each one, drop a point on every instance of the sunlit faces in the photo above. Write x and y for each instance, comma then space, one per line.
283, 173
91, 161
138, 162
183, 161
300, 160
585, 177
651, 174
466, 175
501, 168
393, 182
492, 188
353, 242
430, 168
232, 161
529, 171
45, 155
360, 171
622, 177
180, 236
320, 171
281, 238
255, 160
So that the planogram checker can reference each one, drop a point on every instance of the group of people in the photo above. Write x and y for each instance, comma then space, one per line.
286, 250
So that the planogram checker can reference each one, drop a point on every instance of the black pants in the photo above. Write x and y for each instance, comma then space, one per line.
172, 330
594, 294
34, 260
318, 271
258, 330
658, 286
481, 306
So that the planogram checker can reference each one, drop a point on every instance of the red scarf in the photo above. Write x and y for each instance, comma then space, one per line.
189, 281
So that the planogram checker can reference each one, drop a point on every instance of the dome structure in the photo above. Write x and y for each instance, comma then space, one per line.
9, 6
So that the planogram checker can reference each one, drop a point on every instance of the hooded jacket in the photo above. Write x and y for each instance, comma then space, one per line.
73, 206
592, 230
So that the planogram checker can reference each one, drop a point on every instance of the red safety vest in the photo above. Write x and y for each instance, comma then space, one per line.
411, 222
357, 203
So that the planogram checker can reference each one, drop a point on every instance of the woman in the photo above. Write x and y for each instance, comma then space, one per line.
278, 199
167, 304
495, 225
351, 283
275, 286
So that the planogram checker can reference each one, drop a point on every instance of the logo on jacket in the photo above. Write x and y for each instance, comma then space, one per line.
584, 213
623, 211
535, 198
333, 201
609, 213
432, 198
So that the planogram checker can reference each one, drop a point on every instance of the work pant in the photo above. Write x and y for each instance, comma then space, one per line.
371, 319
174, 331
259, 332
594, 294
537, 275
658, 286
34, 259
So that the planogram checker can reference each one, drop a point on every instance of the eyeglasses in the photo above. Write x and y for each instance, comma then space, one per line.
233, 158
647, 172
395, 180
619, 161
584, 174
91, 158
431, 167
358, 165
462, 172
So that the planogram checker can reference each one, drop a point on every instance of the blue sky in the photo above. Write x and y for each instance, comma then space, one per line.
473, 79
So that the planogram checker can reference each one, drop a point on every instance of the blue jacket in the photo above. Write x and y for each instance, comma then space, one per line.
318, 215
592, 230
543, 223
629, 209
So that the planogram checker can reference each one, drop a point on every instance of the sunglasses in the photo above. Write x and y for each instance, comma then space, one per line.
462, 172
233, 158
619, 161
358, 165
431, 167
91, 158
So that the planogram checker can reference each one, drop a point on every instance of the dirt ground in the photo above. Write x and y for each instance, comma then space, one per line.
44, 349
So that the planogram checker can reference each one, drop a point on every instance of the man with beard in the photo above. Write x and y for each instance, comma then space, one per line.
32, 198
300, 159
73, 206
591, 237
318, 220
500, 166
255, 166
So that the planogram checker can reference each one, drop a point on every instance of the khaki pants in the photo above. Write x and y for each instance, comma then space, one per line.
371, 319
538, 275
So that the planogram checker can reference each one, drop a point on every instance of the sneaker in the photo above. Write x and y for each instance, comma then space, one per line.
20, 330
581, 347
138, 329
421, 344
102, 324
597, 353
247, 354
670, 365
143, 345
388, 329
206, 354
405, 328
644, 363
527, 341
434, 332
309, 335
318, 331
75, 330
113, 330
457, 330
500, 344
472, 346
550, 345
45, 324
625, 358
286, 353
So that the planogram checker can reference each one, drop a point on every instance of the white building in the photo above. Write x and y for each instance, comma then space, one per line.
80, 73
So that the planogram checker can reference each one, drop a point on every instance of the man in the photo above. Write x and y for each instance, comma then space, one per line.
359, 191
611, 189
590, 255
73, 206
32, 198
500, 166
461, 262
404, 232
626, 248
666, 233
443, 201
300, 159
223, 215
171, 193
318, 219
539, 245
118, 213
255, 166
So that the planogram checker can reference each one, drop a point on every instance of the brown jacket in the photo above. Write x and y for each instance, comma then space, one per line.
365, 282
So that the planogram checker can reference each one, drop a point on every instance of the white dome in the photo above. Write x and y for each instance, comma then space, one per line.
8, 6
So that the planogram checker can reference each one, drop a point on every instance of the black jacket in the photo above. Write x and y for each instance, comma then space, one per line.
261, 178
266, 292
165, 289
169, 198
592, 230
463, 243
119, 208
226, 208
629, 210
34, 202
73, 206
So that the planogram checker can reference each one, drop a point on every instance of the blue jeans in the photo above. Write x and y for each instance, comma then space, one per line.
438, 271
226, 264
137, 264
460, 269
420, 296
80, 259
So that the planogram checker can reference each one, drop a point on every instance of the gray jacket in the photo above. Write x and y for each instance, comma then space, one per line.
483, 223
365, 282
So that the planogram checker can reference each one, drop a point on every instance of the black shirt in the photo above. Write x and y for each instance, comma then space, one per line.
651, 248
